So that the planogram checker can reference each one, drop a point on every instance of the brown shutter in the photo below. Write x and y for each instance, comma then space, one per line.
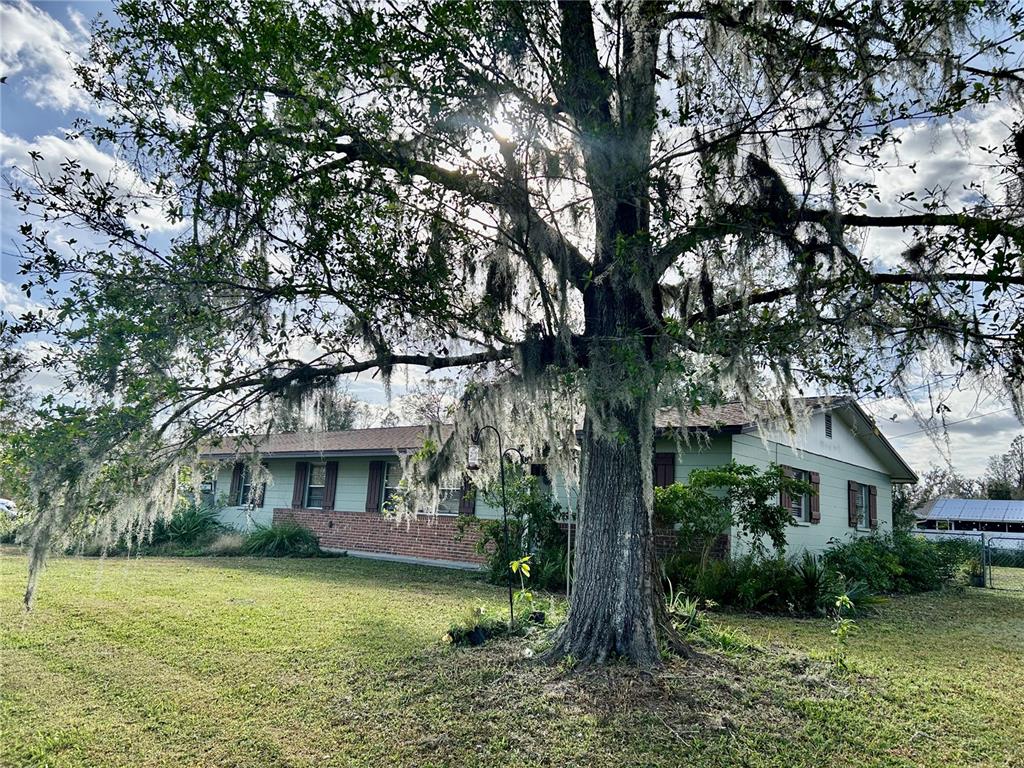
784, 498
374, 486
299, 488
851, 509
873, 506
815, 497
330, 484
664, 469
236, 483
467, 499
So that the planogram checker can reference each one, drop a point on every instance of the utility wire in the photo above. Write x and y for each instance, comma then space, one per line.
950, 424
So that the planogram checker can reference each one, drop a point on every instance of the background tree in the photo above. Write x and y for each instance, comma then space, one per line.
1004, 477
603, 208
937, 482
328, 410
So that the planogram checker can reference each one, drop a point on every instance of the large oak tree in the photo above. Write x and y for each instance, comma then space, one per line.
623, 205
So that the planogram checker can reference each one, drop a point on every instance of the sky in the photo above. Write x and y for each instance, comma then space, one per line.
40, 42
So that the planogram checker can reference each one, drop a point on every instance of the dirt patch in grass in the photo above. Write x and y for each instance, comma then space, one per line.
494, 701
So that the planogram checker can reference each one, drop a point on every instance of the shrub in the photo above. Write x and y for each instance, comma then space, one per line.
533, 530
190, 524
716, 498
286, 539
901, 562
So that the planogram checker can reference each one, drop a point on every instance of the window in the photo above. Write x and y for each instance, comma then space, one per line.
244, 486
828, 425
448, 504
863, 506
800, 505
315, 483
392, 482
208, 491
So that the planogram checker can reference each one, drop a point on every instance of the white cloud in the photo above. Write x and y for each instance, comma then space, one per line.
980, 424
14, 302
15, 153
936, 156
41, 52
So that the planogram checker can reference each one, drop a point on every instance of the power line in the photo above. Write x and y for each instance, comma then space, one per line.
950, 424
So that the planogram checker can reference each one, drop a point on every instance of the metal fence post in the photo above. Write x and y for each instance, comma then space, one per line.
985, 574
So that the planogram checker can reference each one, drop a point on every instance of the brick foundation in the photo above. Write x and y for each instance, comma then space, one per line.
427, 537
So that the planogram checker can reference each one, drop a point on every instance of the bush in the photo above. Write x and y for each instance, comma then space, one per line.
533, 530
901, 562
191, 524
802, 585
287, 539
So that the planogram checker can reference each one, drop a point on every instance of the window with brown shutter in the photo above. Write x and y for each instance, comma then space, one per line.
374, 486
815, 497
467, 499
299, 486
664, 469
330, 484
799, 506
236, 483
784, 500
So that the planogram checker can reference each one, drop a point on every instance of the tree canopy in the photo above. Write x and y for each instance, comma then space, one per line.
613, 207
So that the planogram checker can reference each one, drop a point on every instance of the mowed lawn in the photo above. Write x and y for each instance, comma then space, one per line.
237, 662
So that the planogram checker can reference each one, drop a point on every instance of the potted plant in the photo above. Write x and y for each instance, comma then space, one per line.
976, 573
473, 625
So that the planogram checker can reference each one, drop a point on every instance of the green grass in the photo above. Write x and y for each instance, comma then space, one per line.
246, 662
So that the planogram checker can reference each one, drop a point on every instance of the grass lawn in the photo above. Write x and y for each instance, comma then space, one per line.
235, 662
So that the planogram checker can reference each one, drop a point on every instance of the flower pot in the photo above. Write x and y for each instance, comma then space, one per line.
477, 636
537, 617
977, 580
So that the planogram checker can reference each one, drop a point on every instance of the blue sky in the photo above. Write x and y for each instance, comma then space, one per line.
38, 46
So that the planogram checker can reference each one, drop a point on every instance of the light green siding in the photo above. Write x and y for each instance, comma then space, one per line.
350, 493
837, 459
698, 453
835, 474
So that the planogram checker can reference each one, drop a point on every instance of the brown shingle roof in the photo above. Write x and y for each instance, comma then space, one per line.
378, 440
728, 414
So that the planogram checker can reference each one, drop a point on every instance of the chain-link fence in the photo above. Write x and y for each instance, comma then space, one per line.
1004, 560
1000, 556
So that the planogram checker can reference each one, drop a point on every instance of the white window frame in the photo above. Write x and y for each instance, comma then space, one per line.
803, 499
244, 487
863, 506
448, 503
390, 482
313, 465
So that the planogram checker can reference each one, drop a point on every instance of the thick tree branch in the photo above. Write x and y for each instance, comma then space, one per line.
886, 278
743, 219
567, 260
723, 15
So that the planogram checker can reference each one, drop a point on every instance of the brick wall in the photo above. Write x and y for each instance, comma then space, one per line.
428, 537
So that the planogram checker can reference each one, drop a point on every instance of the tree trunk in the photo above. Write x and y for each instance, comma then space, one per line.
613, 610
616, 607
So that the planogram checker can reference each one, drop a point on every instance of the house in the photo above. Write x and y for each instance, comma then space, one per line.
335, 483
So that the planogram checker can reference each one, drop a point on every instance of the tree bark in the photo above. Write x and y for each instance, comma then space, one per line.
616, 608
613, 611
